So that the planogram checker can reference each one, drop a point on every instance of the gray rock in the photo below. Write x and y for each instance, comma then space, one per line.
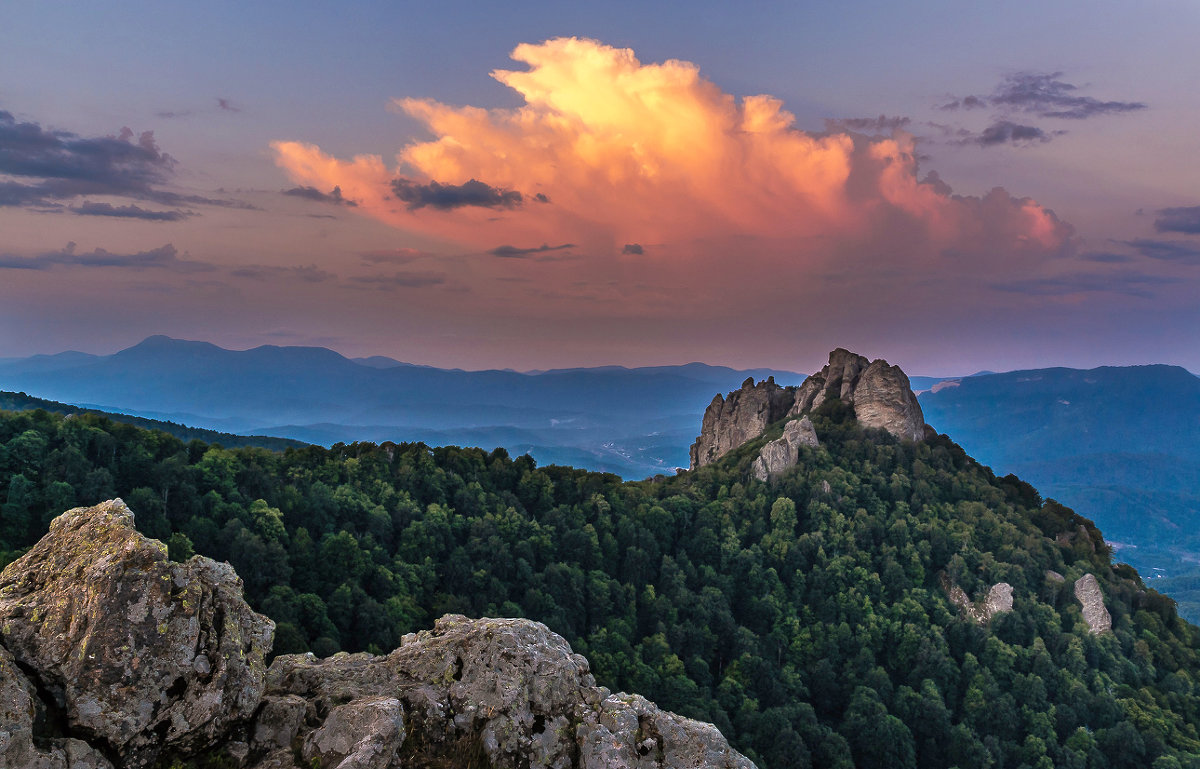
278, 722
507, 692
999, 599
1091, 599
151, 660
363, 734
782, 453
115, 631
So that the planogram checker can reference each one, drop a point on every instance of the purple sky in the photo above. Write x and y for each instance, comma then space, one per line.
946, 185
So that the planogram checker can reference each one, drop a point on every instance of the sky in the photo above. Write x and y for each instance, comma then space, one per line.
951, 186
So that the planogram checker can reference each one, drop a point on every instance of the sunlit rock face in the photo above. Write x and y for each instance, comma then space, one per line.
880, 394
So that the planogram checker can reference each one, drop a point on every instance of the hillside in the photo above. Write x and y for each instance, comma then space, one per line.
22, 402
809, 617
1120, 445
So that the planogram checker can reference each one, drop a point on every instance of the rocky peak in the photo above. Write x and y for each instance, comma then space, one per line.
880, 394
136, 661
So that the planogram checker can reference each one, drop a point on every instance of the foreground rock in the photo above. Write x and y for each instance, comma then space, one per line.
880, 394
139, 660
141, 653
507, 691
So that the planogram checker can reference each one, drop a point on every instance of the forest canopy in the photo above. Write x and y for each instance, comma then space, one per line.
806, 617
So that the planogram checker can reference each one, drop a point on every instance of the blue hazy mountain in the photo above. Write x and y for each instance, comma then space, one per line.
1120, 445
634, 422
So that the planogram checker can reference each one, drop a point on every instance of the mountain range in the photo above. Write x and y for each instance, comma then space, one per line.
1121, 445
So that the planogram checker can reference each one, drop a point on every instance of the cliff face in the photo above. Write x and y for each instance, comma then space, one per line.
113, 656
880, 394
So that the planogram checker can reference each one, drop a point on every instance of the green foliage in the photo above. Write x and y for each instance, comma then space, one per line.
806, 617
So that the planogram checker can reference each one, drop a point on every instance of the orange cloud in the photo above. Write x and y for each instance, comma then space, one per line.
607, 151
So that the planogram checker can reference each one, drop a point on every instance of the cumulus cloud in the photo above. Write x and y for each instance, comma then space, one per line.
627, 152
162, 258
633, 248
1185, 219
334, 196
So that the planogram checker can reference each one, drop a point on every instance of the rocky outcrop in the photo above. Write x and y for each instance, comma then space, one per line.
881, 395
782, 453
1091, 600
742, 416
141, 653
999, 599
141, 660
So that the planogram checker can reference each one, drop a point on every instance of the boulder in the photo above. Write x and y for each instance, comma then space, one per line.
999, 599
140, 654
1091, 600
782, 453
883, 398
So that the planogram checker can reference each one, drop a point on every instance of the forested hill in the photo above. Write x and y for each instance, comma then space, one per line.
807, 617
21, 402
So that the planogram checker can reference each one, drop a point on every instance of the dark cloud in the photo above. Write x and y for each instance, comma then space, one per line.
308, 274
966, 102
392, 256
400, 280
1165, 250
1106, 257
1124, 282
512, 252
541, 198
334, 196
161, 258
1006, 132
129, 212
633, 248
1185, 220
1042, 93
881, 124
60, 166
227, 106
449, 196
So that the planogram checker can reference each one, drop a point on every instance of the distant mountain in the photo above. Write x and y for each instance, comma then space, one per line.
634, 422
1119, 445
